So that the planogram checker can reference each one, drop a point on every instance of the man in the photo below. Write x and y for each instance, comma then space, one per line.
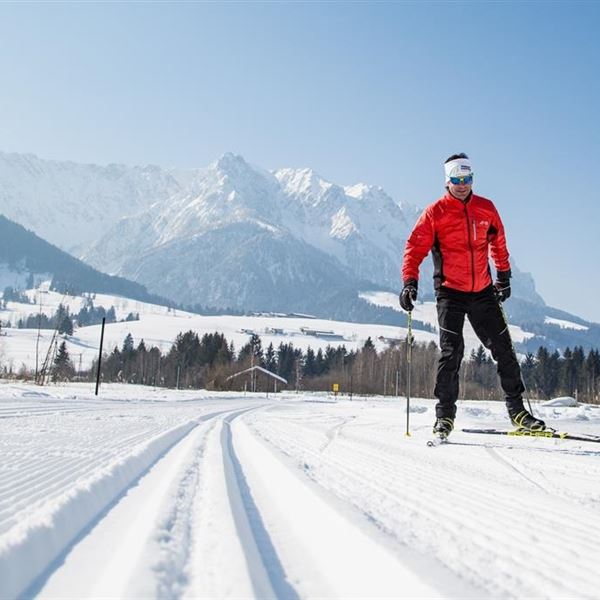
462, 230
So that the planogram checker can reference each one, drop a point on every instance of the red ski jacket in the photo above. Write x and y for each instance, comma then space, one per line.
461, 237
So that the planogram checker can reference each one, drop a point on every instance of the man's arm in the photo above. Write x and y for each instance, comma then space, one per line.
500, 256
418, 245
498, 249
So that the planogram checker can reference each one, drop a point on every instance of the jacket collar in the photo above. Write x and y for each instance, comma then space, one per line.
449, 196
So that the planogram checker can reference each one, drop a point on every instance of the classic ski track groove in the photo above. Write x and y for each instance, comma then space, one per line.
465, 518
114, 451
169, 570
402, 502
270, 581
389, 575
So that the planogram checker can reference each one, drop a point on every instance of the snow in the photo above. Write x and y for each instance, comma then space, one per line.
562, 401
362, 233
342, 225
16, 276
70, 204
162, 493
426, 312
565, 324
307, 184
158, 326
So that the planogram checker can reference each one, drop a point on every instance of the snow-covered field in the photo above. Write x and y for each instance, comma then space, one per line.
426, 312
159, 325
158, 493
565, 324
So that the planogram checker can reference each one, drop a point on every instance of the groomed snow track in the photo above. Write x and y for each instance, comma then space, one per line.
248, 498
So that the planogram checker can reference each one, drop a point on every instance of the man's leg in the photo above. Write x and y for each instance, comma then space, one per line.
451, 311
488, 322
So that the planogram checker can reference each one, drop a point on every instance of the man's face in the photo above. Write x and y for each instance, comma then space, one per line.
460, 190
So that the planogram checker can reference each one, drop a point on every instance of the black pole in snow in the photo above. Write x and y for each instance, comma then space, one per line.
409, 341
100, 356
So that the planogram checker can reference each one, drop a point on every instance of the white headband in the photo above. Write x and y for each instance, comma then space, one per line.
459, 167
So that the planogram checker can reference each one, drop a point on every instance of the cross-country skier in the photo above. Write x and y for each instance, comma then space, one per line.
462, 230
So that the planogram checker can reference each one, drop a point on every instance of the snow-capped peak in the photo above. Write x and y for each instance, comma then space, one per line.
342, 226
230, 163
306, 185
359, 190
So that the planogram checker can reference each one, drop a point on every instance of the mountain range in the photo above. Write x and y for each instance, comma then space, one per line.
27, 259
235, 235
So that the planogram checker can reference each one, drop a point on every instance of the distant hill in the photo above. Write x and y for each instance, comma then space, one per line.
25, 254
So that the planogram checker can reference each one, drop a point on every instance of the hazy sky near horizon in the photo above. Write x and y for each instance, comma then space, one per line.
380, 93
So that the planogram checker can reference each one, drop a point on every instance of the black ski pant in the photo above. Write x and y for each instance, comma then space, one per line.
485, 315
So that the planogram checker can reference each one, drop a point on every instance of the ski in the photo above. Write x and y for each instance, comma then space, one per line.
438, 440
546, 433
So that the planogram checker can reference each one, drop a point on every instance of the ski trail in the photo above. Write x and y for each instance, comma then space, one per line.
347, 561
470, 508
268, 576
495, 454
174, 531
143, 536
30, 549
334, 431
226, 531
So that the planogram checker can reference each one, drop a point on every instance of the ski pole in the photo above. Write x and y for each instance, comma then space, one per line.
408, 361
515, 353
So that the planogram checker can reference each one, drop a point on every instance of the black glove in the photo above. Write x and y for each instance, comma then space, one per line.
502, 285
408, 294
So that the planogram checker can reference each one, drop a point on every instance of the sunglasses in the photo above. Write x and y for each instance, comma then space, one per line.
466, 180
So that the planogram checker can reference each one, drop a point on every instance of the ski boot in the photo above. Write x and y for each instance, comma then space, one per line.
441, 430
523, 420
443, 426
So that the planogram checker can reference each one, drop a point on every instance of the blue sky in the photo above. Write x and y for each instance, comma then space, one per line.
374, 92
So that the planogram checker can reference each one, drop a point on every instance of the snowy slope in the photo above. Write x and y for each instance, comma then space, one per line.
361, 225
426, 312
159, 325
239, 236
69, 204
288, 230
565, 324
240, 233
174, 491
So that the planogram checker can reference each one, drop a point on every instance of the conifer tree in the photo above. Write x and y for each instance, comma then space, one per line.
63, 369
320, 362
309, 367
127, 344
270, 362
65, 327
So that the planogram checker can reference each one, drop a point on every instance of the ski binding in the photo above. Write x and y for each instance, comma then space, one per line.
438, 440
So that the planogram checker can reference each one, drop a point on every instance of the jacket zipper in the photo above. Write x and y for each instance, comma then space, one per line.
471, 249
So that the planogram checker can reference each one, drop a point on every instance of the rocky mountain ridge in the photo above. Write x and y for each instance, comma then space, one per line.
231, 234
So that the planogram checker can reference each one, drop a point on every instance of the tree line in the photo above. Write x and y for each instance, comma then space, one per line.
211, 362
65, 323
